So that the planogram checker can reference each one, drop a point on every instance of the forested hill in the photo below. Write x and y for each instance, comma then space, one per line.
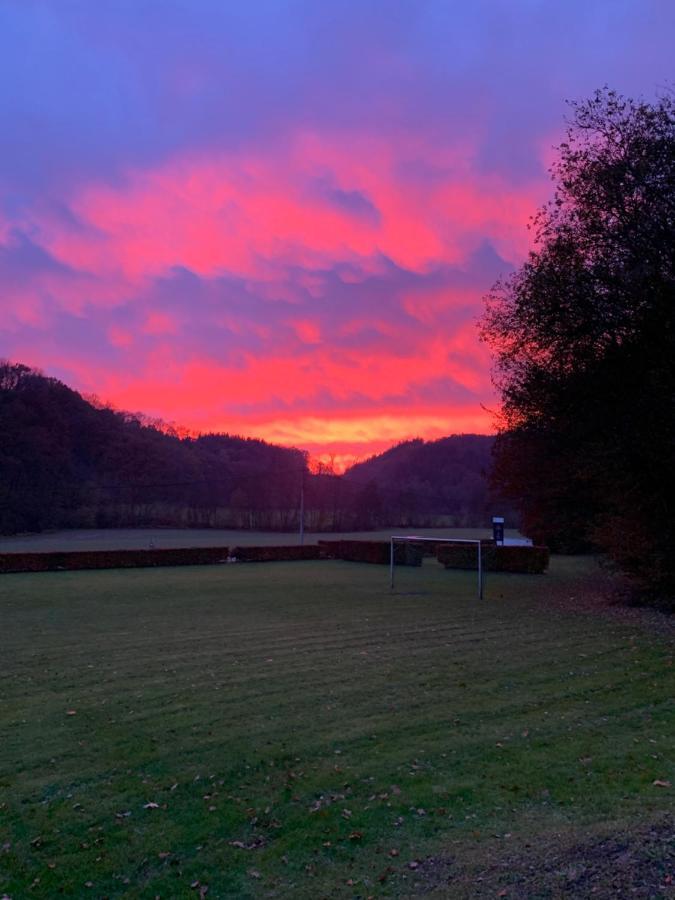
65, 462
446, 476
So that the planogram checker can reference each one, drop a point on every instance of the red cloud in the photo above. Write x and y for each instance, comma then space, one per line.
160, 323
300, 205
285, 226
309, 332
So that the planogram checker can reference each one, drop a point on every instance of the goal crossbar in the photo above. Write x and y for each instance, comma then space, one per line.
412, 539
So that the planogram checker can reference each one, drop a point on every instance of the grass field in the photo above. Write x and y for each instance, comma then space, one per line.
141, 538
293, 730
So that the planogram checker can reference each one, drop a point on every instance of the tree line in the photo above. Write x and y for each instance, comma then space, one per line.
71, 462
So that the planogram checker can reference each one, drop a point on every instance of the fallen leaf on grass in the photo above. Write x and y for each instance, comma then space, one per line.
71, 712
254, 844
356, 836
659, 783
151, 805
413, 864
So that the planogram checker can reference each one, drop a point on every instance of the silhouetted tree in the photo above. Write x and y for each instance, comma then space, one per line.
584, 341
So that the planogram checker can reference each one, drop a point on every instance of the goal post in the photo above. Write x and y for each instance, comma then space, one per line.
413, 539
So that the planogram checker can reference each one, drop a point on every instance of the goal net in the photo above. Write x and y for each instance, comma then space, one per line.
414, 539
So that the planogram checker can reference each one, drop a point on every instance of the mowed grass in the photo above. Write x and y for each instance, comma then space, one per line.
294, 730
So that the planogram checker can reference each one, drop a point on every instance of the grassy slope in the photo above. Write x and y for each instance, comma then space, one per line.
300, 711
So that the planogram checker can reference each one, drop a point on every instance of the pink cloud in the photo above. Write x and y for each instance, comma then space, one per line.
119, 337
159, 323
309, 332
426, 304
284, 227
252, 216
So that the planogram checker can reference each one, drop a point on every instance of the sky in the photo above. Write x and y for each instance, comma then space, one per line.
278, 218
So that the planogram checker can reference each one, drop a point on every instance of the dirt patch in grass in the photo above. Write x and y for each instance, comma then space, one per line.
632, 861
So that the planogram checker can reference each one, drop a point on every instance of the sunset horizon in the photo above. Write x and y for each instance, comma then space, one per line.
282, 223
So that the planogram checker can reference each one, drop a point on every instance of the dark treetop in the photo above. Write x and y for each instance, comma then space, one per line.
583, 336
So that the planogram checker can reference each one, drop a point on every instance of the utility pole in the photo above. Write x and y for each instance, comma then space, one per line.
302, 507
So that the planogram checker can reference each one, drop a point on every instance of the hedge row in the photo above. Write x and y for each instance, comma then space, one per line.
496, 558
111, 559
275, 554
531, 560
131, 559
378, 552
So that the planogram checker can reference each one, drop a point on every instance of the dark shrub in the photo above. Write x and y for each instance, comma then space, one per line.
111, 559
464, 556
528, 560
275, 554
329, 549
378, 552
524, 560
409, 554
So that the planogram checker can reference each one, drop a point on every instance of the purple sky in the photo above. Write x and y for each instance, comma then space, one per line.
279, 218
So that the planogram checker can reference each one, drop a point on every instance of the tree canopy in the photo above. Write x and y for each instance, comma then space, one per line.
583, 337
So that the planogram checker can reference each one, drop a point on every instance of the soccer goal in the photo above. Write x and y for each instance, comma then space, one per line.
414, 539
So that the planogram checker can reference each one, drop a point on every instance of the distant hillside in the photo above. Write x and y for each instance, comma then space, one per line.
418, 481
65, 462
69, 462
